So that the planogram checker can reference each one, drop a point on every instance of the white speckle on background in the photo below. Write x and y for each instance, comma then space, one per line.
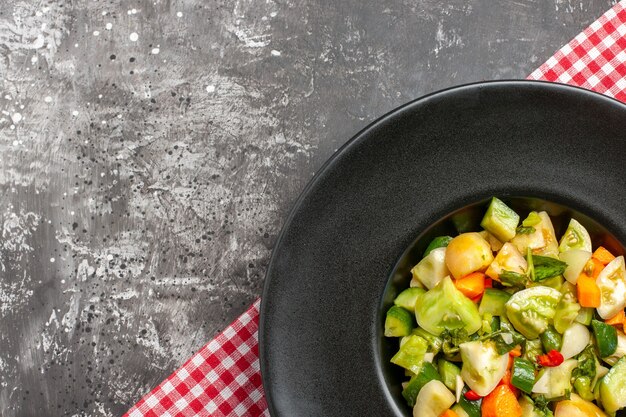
273, 14
210, 88
250, 40
275, 52
134, 36
34, 59
155, 51
74, 113
48, 99
109, 26
38, 42
179, 14
96, 33
52, 260
15, 143
16, 117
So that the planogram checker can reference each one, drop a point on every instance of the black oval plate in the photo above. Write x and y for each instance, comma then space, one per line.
320, 323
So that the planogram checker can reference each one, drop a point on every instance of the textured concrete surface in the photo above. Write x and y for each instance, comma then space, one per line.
150, 151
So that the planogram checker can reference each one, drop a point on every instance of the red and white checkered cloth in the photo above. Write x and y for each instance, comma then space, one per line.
223, 378
595, 59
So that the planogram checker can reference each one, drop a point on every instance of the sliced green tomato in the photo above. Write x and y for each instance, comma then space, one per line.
576, 260
575, 237
555, 382
500, 220
612, 283
432, 269
483, 367
575, 340
585, 315
551, 247
411, 354
577, 407
445, 307
613, 387
438, 242
467, 253
606, 338
508, 259
620, 351
567, 309
449, 373
495, 244
415, 283
433, 399
406, 299
417, 382
493, 302
531, 310
542, 241
398, 322
534, 241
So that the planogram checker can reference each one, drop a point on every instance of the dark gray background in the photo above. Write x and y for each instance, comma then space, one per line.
143, 182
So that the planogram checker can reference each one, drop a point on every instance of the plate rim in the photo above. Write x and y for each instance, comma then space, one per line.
296, 205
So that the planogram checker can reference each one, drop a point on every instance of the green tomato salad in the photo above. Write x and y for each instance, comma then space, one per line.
512, 322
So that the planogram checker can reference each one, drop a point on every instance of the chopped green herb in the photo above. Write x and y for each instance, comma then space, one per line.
546, 267
452, 339
530, 269
523, 230
513, 279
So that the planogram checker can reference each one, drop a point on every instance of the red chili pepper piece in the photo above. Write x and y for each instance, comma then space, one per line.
550, 359
472, 396
488, 283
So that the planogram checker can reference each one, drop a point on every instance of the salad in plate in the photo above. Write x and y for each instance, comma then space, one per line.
513, 322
